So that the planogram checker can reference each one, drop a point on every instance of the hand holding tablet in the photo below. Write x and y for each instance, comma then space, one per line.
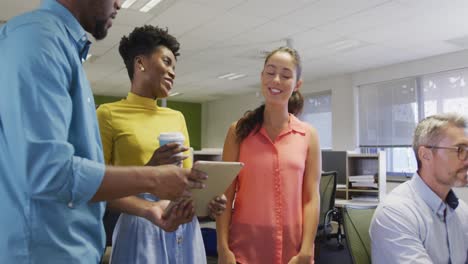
220, 176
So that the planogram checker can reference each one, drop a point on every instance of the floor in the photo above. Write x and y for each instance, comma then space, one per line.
212, 260
330, 253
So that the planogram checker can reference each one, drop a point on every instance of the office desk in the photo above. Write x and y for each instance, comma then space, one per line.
339, 203
342, 202
208, 224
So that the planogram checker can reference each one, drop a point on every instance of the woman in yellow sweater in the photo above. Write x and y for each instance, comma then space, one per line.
129, 131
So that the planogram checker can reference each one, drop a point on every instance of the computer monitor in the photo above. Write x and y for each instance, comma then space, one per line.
335, 161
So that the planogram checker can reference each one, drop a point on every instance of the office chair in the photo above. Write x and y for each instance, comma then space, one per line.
327, 208
356, 220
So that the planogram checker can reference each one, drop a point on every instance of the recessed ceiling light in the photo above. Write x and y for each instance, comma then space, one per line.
174, 94
344, 44
224, 76
149, 5
232, 76
237, 76
128, 3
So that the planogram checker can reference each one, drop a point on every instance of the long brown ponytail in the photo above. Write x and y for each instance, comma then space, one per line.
253, 120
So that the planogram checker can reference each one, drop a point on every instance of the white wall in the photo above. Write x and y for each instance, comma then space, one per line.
218, 115
450, 61
342, 101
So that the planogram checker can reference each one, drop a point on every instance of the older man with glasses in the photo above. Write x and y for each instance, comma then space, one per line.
422, 220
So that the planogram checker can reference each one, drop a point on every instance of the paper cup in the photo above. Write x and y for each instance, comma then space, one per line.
177, 137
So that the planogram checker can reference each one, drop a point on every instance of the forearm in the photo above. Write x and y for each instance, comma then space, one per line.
310, 195
310, 223
222, 227
121, 182
224, 220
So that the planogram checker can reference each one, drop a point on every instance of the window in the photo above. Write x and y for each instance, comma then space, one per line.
390, 111
317, 112
445, 92
387, 113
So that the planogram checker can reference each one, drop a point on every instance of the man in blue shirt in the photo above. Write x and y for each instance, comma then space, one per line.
51, 165
422, 220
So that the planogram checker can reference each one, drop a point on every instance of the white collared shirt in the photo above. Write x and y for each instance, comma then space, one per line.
413, 225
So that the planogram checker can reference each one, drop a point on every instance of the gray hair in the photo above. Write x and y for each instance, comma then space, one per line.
430, 130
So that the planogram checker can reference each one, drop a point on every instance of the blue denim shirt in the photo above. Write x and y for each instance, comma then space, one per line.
51, 161
413, 225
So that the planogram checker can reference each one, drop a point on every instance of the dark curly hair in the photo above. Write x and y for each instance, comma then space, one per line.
144, 41
253, 119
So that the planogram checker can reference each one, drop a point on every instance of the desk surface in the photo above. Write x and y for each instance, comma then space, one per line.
338, 203
343, 202
208, 224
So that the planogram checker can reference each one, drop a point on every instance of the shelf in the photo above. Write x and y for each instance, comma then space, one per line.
357, 164
209, 151
208, 154
358, 190
369, 165
354, 155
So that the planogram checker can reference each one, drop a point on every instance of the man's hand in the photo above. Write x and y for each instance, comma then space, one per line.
167, 154
173, 182
217, 206
170, 217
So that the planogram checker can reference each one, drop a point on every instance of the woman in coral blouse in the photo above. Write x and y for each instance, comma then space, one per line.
276, 195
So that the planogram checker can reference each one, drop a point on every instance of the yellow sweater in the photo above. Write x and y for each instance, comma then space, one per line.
130, 129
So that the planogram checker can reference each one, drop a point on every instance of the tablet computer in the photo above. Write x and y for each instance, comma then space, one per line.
220, 176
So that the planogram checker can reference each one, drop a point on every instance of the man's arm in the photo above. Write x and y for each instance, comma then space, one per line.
41, 76
166, 182
395, 237
53, 169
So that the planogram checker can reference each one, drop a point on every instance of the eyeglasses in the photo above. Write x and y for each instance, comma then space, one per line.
462, 151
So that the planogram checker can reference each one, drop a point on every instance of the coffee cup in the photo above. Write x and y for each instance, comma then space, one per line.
170, 137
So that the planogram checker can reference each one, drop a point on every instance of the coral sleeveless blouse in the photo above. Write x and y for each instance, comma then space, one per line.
266, 224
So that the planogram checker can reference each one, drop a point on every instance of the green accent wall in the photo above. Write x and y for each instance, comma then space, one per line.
102, 99
191, 112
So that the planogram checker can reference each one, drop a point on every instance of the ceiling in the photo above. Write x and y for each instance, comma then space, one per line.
223, 36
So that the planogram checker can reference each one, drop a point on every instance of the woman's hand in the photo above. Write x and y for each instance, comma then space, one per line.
167, 154
170, 215
217, 206
302, 259
226, 257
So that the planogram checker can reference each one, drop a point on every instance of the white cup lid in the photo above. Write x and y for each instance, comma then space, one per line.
171, 136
